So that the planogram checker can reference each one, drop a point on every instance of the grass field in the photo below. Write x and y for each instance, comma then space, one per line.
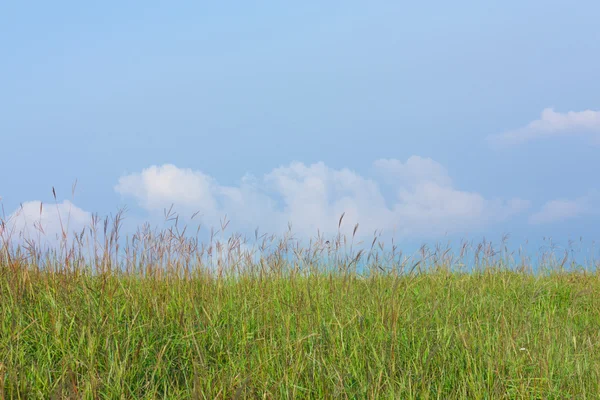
164, 317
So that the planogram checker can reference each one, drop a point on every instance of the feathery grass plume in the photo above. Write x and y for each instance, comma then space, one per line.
162, 314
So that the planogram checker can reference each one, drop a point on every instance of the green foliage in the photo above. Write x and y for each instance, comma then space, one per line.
439, 334
160, 315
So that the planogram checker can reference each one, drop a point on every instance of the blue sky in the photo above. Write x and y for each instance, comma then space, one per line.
420, 117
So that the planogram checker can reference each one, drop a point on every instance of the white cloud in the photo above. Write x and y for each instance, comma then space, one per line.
563, 209
314, 196
45, 222
551, 123
168, 184
414, 170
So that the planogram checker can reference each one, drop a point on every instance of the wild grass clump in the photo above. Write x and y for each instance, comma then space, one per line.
159, 315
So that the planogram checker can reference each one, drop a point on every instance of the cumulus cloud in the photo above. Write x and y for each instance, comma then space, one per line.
551, 123
564, 209
45, 222
312, 197
414, 171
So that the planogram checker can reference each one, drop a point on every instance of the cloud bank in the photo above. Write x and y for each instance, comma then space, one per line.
560, 210
551, 123
424, 204
45, 222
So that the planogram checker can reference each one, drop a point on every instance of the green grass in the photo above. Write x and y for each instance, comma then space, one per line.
164, 316
491, 334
